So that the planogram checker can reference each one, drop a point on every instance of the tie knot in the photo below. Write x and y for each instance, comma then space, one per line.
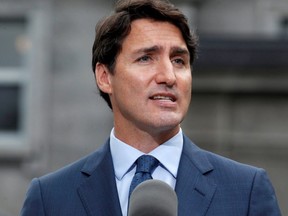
146, 163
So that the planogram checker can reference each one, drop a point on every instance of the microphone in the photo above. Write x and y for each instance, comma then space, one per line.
153, 198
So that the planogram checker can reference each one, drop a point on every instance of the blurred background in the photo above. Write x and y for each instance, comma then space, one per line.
51, 113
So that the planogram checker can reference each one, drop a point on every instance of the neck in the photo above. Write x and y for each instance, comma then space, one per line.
143, 140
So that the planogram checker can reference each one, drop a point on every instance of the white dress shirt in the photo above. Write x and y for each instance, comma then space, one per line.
124, 156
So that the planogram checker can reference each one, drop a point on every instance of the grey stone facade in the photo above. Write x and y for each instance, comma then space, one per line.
239, 108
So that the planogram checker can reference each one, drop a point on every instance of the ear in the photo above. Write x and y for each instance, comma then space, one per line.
103, 78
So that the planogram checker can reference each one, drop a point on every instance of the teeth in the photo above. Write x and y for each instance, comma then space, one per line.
162, 98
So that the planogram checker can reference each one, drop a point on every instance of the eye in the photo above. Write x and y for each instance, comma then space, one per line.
144, 59
178, 61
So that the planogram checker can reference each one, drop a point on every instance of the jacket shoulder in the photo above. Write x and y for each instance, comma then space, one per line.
75, 171
217, 165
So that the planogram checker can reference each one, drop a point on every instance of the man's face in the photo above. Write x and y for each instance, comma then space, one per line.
151, 86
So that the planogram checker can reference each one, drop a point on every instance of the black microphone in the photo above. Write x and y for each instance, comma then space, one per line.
153, 198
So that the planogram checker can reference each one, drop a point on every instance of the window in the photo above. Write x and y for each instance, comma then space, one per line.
9, 109
21, 59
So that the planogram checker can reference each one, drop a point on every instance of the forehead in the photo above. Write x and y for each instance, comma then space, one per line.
148, 32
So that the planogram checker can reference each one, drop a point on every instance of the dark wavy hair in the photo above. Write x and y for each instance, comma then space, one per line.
112, 30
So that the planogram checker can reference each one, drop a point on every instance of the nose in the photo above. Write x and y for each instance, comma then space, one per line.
165, 73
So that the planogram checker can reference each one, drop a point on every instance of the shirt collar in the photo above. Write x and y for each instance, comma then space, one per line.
124, 155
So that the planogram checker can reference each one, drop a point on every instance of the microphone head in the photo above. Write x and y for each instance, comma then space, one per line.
153, 198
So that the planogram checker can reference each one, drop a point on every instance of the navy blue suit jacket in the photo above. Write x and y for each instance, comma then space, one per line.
207, 184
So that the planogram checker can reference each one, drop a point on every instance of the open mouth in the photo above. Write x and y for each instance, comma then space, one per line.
162, 97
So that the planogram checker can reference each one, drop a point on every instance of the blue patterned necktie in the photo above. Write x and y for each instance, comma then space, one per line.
146, 164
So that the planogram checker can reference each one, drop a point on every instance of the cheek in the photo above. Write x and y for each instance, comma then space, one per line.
186, 84
186, 89
129, 88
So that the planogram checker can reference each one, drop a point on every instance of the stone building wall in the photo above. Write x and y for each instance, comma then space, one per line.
239, 113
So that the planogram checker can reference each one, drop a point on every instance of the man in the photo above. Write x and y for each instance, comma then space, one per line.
142, 59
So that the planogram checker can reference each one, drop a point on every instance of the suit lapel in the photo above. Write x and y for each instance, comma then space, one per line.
98, 193
194, 189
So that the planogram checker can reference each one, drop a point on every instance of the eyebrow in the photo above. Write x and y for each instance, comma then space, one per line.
147, 49
174, 51
179, 51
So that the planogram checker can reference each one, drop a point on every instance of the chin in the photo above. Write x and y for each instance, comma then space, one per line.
166, 125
